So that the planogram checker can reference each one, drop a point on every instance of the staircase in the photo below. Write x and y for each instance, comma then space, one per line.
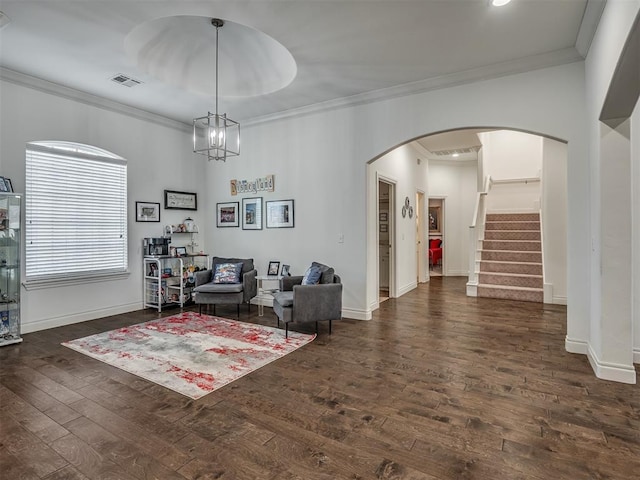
511, 257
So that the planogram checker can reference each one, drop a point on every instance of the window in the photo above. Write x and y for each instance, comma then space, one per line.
76, 212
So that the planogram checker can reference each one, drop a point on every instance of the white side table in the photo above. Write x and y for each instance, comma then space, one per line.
265, 292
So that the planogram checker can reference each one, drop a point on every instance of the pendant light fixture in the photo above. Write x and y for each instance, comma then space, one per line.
215, 135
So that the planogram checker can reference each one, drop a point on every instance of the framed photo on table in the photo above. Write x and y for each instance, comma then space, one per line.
285, 271
227, 214
147, 212
252, 213
279, 214
273, 268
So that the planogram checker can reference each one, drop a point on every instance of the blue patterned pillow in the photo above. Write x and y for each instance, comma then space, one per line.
227, 273
312, 275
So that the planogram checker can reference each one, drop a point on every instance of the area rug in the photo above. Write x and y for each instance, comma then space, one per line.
189, 353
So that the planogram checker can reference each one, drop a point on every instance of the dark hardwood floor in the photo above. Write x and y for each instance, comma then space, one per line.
436, 386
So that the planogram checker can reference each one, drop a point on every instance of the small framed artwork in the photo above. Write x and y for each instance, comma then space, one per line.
279, 214
181, 251
6, 185
434, 220
384, 228
383, 216
180, 200
285, 271
252, 213
273, 268
227, 214
147, 212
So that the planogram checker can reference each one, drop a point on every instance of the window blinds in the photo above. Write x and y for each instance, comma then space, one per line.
76, 211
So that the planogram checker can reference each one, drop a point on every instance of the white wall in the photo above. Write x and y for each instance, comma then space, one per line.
319, 160
456, 183
610, 322
510, 155
159, 157
554, 217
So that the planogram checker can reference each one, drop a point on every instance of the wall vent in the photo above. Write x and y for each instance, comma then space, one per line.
459, 151
125, 80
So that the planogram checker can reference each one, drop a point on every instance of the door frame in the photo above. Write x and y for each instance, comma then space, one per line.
422, 236
392, 234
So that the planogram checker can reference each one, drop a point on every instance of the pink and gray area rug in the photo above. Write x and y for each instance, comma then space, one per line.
189, 353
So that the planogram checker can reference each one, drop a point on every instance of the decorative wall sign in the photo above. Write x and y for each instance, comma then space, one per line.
180, 200
262, 184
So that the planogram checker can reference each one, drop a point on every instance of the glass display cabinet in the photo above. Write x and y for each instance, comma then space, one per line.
9, 269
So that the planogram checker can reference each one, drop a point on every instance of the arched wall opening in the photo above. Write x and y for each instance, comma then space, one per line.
456, 182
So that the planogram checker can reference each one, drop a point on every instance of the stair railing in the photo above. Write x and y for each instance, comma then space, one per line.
476, 229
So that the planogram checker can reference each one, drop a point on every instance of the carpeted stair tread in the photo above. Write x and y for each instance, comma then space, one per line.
506, 274
509, 287
506, 262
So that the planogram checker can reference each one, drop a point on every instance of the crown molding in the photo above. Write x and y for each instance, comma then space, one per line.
503, 69
589, 25
45, 86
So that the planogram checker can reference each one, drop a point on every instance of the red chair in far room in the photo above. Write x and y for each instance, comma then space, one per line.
435, 251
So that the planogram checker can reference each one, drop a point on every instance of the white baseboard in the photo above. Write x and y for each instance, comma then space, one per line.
636, 355
46, 323
547, 293
559, 300
456, 273
407, 288
611, 371
472, 289
576, 346
356, 313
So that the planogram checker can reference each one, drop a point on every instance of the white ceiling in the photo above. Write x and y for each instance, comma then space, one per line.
347, 48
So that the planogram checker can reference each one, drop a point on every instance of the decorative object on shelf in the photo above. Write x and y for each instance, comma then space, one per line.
189, 225
434, 219
273, 268
227, 214
10, 248
215, 135
280, 214
384, 228
285, 271
252, 213
147, 212
6, 185
181, 251
180, 200
383, 216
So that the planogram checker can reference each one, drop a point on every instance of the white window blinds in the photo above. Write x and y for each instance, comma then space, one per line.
76, 211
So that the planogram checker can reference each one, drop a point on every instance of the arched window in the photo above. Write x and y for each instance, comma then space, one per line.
75, 212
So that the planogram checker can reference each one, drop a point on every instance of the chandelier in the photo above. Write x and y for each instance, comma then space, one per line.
215, 135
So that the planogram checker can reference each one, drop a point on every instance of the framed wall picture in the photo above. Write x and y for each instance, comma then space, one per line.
273, 268
434, 220
147, 212
227, 214
279, 214
252, 213
180, 200
6, 185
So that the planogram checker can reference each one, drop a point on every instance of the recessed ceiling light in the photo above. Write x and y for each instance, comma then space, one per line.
499, 3
455, 155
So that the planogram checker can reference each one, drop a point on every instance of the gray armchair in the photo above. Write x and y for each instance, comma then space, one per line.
309, 303
208, 293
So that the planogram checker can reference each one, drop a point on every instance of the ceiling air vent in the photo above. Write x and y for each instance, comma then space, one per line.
126, 81
459, 151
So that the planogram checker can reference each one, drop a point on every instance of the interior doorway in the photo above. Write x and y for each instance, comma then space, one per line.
386, 197
435, 217
421, 236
